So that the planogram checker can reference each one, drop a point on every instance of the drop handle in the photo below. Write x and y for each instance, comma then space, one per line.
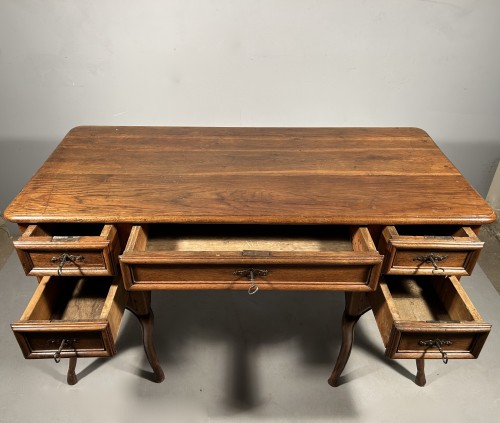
64, 343
432, 258
438, 343
251, 274
63, 259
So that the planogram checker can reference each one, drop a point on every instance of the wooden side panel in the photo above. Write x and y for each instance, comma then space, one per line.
41, 303
457, 302
362, 241
113, 249
115, 307
384, 311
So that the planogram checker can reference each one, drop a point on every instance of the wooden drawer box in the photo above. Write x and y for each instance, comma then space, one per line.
230, 256
68, 250
79, 316
427, 250
415, 314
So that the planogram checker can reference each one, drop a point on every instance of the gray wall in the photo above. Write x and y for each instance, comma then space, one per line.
431, 64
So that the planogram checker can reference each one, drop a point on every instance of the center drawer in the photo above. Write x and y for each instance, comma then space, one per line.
76, 316
242, 256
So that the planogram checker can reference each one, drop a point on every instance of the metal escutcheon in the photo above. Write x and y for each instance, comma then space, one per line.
64, 343
251, 274
63, 259
438, 343
432, 258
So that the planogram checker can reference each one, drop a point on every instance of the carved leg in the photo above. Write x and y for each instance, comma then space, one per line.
356, 304
139, 304
420, 378
71, 376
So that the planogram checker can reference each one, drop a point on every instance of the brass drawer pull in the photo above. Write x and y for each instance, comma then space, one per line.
432, 258
438, 343
64, 343
63, 259
250, 274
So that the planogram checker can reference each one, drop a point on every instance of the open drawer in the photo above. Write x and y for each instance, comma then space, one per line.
428, 250
250, 257
427, 317
72, 316
68, 250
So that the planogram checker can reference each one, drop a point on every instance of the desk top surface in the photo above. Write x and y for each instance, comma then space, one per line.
249, 175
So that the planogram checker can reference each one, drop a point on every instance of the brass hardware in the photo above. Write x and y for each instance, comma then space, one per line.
432, 258
63, 259
255, 253
60, 238
438, 343
64, 343
250, 274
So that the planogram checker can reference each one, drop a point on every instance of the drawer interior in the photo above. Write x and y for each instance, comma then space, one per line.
213, 238
435, 231
64, 231
427, 299
70, 299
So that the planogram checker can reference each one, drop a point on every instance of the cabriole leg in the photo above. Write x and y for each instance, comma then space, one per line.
356, 304
139, 304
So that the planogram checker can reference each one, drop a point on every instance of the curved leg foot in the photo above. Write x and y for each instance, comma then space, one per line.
356, 305
149, 348
140, 305
420, 377
71, 376
348, 324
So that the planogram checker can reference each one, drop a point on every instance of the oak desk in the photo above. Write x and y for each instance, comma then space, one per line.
380, 213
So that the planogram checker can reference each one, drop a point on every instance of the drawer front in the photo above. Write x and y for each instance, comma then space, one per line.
429, 255
72, 316
92, 339
67, 262
456, 340
339, 258
427, 317
430, 261
45, 255
266, 276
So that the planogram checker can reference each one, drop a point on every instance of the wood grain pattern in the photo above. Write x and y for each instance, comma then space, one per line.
88, 310
249, 175
408, 310
86, 302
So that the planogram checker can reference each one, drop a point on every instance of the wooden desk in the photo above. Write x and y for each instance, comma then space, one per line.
382, 214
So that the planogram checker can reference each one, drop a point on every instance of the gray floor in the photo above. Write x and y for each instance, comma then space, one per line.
231, 357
